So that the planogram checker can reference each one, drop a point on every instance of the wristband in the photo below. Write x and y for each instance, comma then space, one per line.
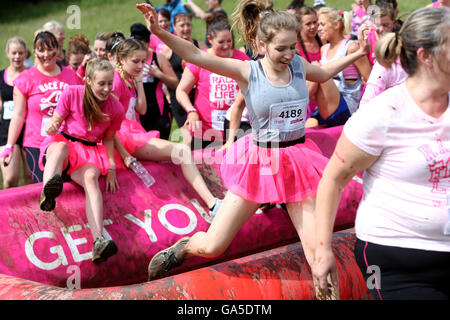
7, 151
191, 110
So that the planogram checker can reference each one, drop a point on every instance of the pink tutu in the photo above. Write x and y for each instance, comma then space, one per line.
272, 175
79, 154
132, 135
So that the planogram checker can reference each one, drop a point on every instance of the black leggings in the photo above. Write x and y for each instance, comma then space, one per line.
404, 274
32, 155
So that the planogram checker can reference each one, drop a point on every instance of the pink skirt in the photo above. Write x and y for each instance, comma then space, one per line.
272, 175
79, 154
132, 135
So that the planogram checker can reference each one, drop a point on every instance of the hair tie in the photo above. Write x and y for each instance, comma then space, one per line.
341, 13
267, 12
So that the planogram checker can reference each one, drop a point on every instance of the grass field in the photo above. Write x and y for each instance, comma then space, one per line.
23, 18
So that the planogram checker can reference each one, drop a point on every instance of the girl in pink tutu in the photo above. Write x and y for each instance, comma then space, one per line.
276, 163
81, 142
132, 140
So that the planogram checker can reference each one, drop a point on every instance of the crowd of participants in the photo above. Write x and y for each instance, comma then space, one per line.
82, 111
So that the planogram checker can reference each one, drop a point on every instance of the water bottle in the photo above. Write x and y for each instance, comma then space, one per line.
146, 78
142, 173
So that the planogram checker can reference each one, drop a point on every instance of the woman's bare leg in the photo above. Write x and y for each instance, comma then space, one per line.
232, 215
302, 216
327, 98
87, 177
12, 171
56, 160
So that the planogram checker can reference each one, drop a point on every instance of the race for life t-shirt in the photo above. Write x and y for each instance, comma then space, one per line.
406, 191
42, 93
214, 95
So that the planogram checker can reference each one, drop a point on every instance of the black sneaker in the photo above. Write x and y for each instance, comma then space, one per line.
167, 259
51, 190
103, 249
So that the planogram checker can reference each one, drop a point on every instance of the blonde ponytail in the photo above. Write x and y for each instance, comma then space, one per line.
388, 49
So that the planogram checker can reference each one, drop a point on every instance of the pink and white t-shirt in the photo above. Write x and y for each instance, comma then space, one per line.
70, 107
156, 43
214, 95
42, 93
127, 96
404, 201
381, 79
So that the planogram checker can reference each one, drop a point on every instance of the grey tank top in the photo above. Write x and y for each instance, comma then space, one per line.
277, 113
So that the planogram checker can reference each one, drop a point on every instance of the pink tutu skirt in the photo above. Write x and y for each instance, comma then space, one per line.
272, 175
132, 135
79, 154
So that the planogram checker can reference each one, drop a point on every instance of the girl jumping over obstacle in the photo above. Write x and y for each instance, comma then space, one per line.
275, 163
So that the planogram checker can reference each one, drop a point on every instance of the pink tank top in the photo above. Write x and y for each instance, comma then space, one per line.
313, 56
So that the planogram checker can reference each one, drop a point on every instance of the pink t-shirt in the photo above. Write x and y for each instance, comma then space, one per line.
127, 96
70, 107
214, 95
156, 43
405, 191
42, 93
381, 79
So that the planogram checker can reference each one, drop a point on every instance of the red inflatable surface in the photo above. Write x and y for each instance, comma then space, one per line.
54, 248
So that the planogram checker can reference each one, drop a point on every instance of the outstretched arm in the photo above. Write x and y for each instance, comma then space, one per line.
326, 72
231, 68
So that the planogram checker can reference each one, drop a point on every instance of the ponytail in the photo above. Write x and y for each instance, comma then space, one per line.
425, 28
388, 49
257, 21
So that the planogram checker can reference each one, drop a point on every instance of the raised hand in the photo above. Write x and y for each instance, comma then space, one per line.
150, 16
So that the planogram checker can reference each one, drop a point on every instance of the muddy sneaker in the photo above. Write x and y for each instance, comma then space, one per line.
51, 190
215, 208
103, 249
167, 259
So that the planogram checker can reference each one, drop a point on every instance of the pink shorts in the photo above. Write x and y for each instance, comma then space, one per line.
79, 154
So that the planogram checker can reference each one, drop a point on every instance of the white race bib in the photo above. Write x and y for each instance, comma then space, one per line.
45, 120
8, 109
218, 119
288, 116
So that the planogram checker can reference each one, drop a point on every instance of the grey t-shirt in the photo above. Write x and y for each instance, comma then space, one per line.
277, 113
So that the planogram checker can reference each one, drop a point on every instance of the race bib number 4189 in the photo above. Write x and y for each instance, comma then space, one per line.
288, 116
